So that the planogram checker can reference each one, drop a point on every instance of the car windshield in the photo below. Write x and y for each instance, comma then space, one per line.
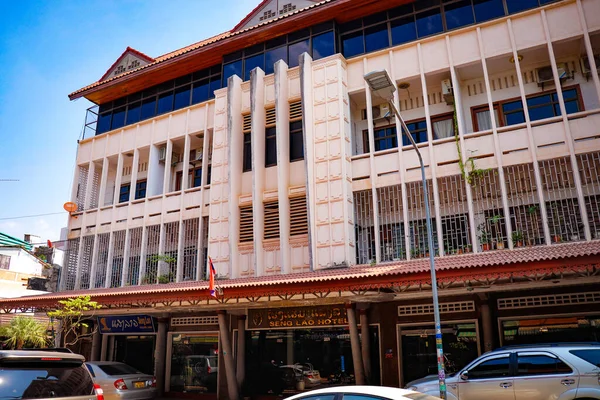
39, 380
118, 369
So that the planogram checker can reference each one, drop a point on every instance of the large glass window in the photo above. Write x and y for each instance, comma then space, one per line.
194, 362
418, 131
182, 97
124, 193
513, 112
323, 45
148, 108
296, 141
253, 62
403, 30
234, 68
385, 138
429, 22
295, 50
459, 14
376, 37
134, 113
274, 55
247, 162
514, 6
271, 146
165, 103
118, 119
103, 124
486, 10
140, 190
353, 44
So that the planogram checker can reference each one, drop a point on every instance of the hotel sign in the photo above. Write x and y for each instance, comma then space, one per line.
297, 317
126, 324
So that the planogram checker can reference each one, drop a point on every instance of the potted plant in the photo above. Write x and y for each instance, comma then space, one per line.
485, 238
533, 216
468, 248
495, 224
517, 238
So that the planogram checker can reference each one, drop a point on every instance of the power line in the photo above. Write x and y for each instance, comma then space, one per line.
9, 180
31, 216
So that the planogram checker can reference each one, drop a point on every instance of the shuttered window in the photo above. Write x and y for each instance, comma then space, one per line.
246, 129
298, 216
246, 223
296, 135
270, 139
272, 220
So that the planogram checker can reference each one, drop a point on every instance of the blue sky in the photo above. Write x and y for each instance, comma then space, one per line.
50, 49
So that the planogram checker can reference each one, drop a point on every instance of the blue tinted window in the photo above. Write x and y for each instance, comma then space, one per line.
103, 124
488, 9
133, 113
429, 23
165, 103
118, 119
514, 6
418, 131
197, 177
234, 68
182, 97
513, 113
385, 139
513, 105
148, 108
353, 44
323, 45
459, 14
376, 38
274, 55
403, 30
215, 84
571, 106
200, 92
253, 62
124, 193
295, 50
140, 190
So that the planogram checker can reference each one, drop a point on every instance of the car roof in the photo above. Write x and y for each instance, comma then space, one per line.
379, 390
39, 354
577, 345
104, 362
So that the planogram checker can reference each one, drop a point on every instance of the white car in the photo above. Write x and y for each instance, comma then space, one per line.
362, 393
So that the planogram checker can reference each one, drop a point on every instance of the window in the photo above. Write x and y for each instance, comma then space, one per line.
376, 37
494, 368
514, 6
482, 120
124, 193
459, 14
118, 118
234, 68
270, 139
140, 190
134, 113
353, 44
298, 216
296, 132
165, 103
118, 369
253, 62
429, 22
323, 45
513, 113
486, 10
385, 138
197, 177
247, 163
591, 356
4, 261
418, 130
182, 97
246, 224
403, 30
443, 127
271, 220
295, 50
274, 55
528, 365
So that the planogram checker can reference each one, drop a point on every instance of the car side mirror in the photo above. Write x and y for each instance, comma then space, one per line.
464, 376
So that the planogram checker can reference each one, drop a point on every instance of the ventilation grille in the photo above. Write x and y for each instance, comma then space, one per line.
246, 224
423, 309
298, 216
549, 300
295, 111
270, 121
272, 220
188, 321
247, 127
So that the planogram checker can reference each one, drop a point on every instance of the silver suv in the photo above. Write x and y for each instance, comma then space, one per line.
533, 372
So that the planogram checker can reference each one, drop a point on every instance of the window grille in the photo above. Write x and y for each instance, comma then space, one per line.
95, 189
295, 110
419, 246
454, 213
4, 261
152, 242
189, 321
171, 245
135, 249
204, 258
190, 248
364, 227
490, 220
298, 216
86, 262
71, 264
549, 300
270, 117
101, 260
81, 187
391, 223
247, 124
424, 309
523, 200
116, 272
562, 206
271, 220
589, 170
246, 223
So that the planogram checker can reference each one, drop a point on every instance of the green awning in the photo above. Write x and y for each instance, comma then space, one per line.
7, 240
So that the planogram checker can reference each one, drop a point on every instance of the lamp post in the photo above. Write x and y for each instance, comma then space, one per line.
382, 85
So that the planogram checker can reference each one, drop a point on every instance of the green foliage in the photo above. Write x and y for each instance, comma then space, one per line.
22, 330
74, 314
162, 257
468, 169
517, 236
166, 278
485, 237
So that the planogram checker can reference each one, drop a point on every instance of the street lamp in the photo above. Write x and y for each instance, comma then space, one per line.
381, 84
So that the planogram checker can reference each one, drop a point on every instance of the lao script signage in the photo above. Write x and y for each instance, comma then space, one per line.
297, 317
126, 324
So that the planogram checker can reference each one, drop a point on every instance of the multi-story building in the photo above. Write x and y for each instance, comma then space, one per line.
264, 149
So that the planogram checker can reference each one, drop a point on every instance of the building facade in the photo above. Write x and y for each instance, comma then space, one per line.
274, 158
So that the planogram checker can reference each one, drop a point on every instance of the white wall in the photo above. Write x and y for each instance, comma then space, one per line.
21, 261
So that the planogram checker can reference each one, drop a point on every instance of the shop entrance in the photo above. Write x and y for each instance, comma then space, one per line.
419, 357
137, 351
194, 362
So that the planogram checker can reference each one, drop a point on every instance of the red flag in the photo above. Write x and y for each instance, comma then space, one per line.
50, 245
211, 282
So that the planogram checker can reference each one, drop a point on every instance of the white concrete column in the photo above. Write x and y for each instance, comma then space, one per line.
206, 158
186, 162
168, 169
235, 140
143, 251
588, 48
118, 179
134, 173
532, 145
282, 115
126, 251
432, 166
156, 170
94, 266
568, 134
90, 185
103, 181
257, 104
373, 171
179, 271
109, 260
497, 151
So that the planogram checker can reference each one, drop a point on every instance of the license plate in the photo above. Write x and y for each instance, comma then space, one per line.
139, 385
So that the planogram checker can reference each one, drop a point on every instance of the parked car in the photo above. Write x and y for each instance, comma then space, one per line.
45, 375
306, 372
532, 372
362, 392
201, 373
122, 382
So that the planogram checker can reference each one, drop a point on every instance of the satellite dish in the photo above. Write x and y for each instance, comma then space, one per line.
70, 207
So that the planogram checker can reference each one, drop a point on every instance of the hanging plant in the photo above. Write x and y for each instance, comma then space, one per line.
469, 172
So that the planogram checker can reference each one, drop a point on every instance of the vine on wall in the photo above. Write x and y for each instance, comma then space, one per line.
468, 169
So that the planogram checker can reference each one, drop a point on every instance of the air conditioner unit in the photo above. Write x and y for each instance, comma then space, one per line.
197, 159
162, 153
544, 74
447, 91
585, 65
381, 111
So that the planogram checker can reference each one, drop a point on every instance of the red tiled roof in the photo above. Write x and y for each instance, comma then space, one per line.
196, 46
465, 261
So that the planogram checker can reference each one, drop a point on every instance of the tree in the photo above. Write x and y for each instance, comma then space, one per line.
23, 330
74, 315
